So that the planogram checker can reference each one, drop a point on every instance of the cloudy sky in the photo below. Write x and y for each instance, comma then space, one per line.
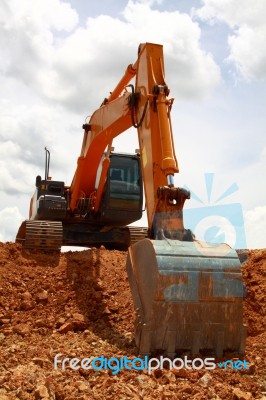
60, 59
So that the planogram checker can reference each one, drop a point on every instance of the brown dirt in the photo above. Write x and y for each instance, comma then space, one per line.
79, 304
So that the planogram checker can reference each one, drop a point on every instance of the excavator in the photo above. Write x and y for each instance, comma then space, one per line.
187, 294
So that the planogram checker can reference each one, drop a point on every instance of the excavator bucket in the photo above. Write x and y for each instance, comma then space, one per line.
188, 296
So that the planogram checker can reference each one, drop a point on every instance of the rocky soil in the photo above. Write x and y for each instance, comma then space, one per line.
79, 304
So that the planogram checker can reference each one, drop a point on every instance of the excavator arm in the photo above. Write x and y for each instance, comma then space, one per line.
105, 124
145, 106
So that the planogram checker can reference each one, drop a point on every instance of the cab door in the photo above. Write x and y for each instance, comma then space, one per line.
124, 191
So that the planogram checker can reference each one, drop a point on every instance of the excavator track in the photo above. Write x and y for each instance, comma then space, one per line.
43, 235
137, 233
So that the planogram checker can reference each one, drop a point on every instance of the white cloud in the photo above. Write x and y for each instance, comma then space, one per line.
25, 132
10, 218
248, 51
247, 43
255, 224
39, 15
71, 68
27, 35
233, 12
251, 181
193, 72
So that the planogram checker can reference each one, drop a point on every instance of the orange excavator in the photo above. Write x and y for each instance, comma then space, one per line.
188, 294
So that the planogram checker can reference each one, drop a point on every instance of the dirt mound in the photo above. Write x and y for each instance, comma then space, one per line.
78, 305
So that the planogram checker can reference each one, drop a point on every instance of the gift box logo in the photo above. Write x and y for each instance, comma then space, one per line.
216, 222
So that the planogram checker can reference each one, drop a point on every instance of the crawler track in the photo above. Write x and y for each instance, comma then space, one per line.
137, 233
43, 235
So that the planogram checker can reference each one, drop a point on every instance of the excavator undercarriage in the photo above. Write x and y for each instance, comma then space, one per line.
50, 236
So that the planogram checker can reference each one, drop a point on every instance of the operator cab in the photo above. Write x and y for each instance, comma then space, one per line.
123, 198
